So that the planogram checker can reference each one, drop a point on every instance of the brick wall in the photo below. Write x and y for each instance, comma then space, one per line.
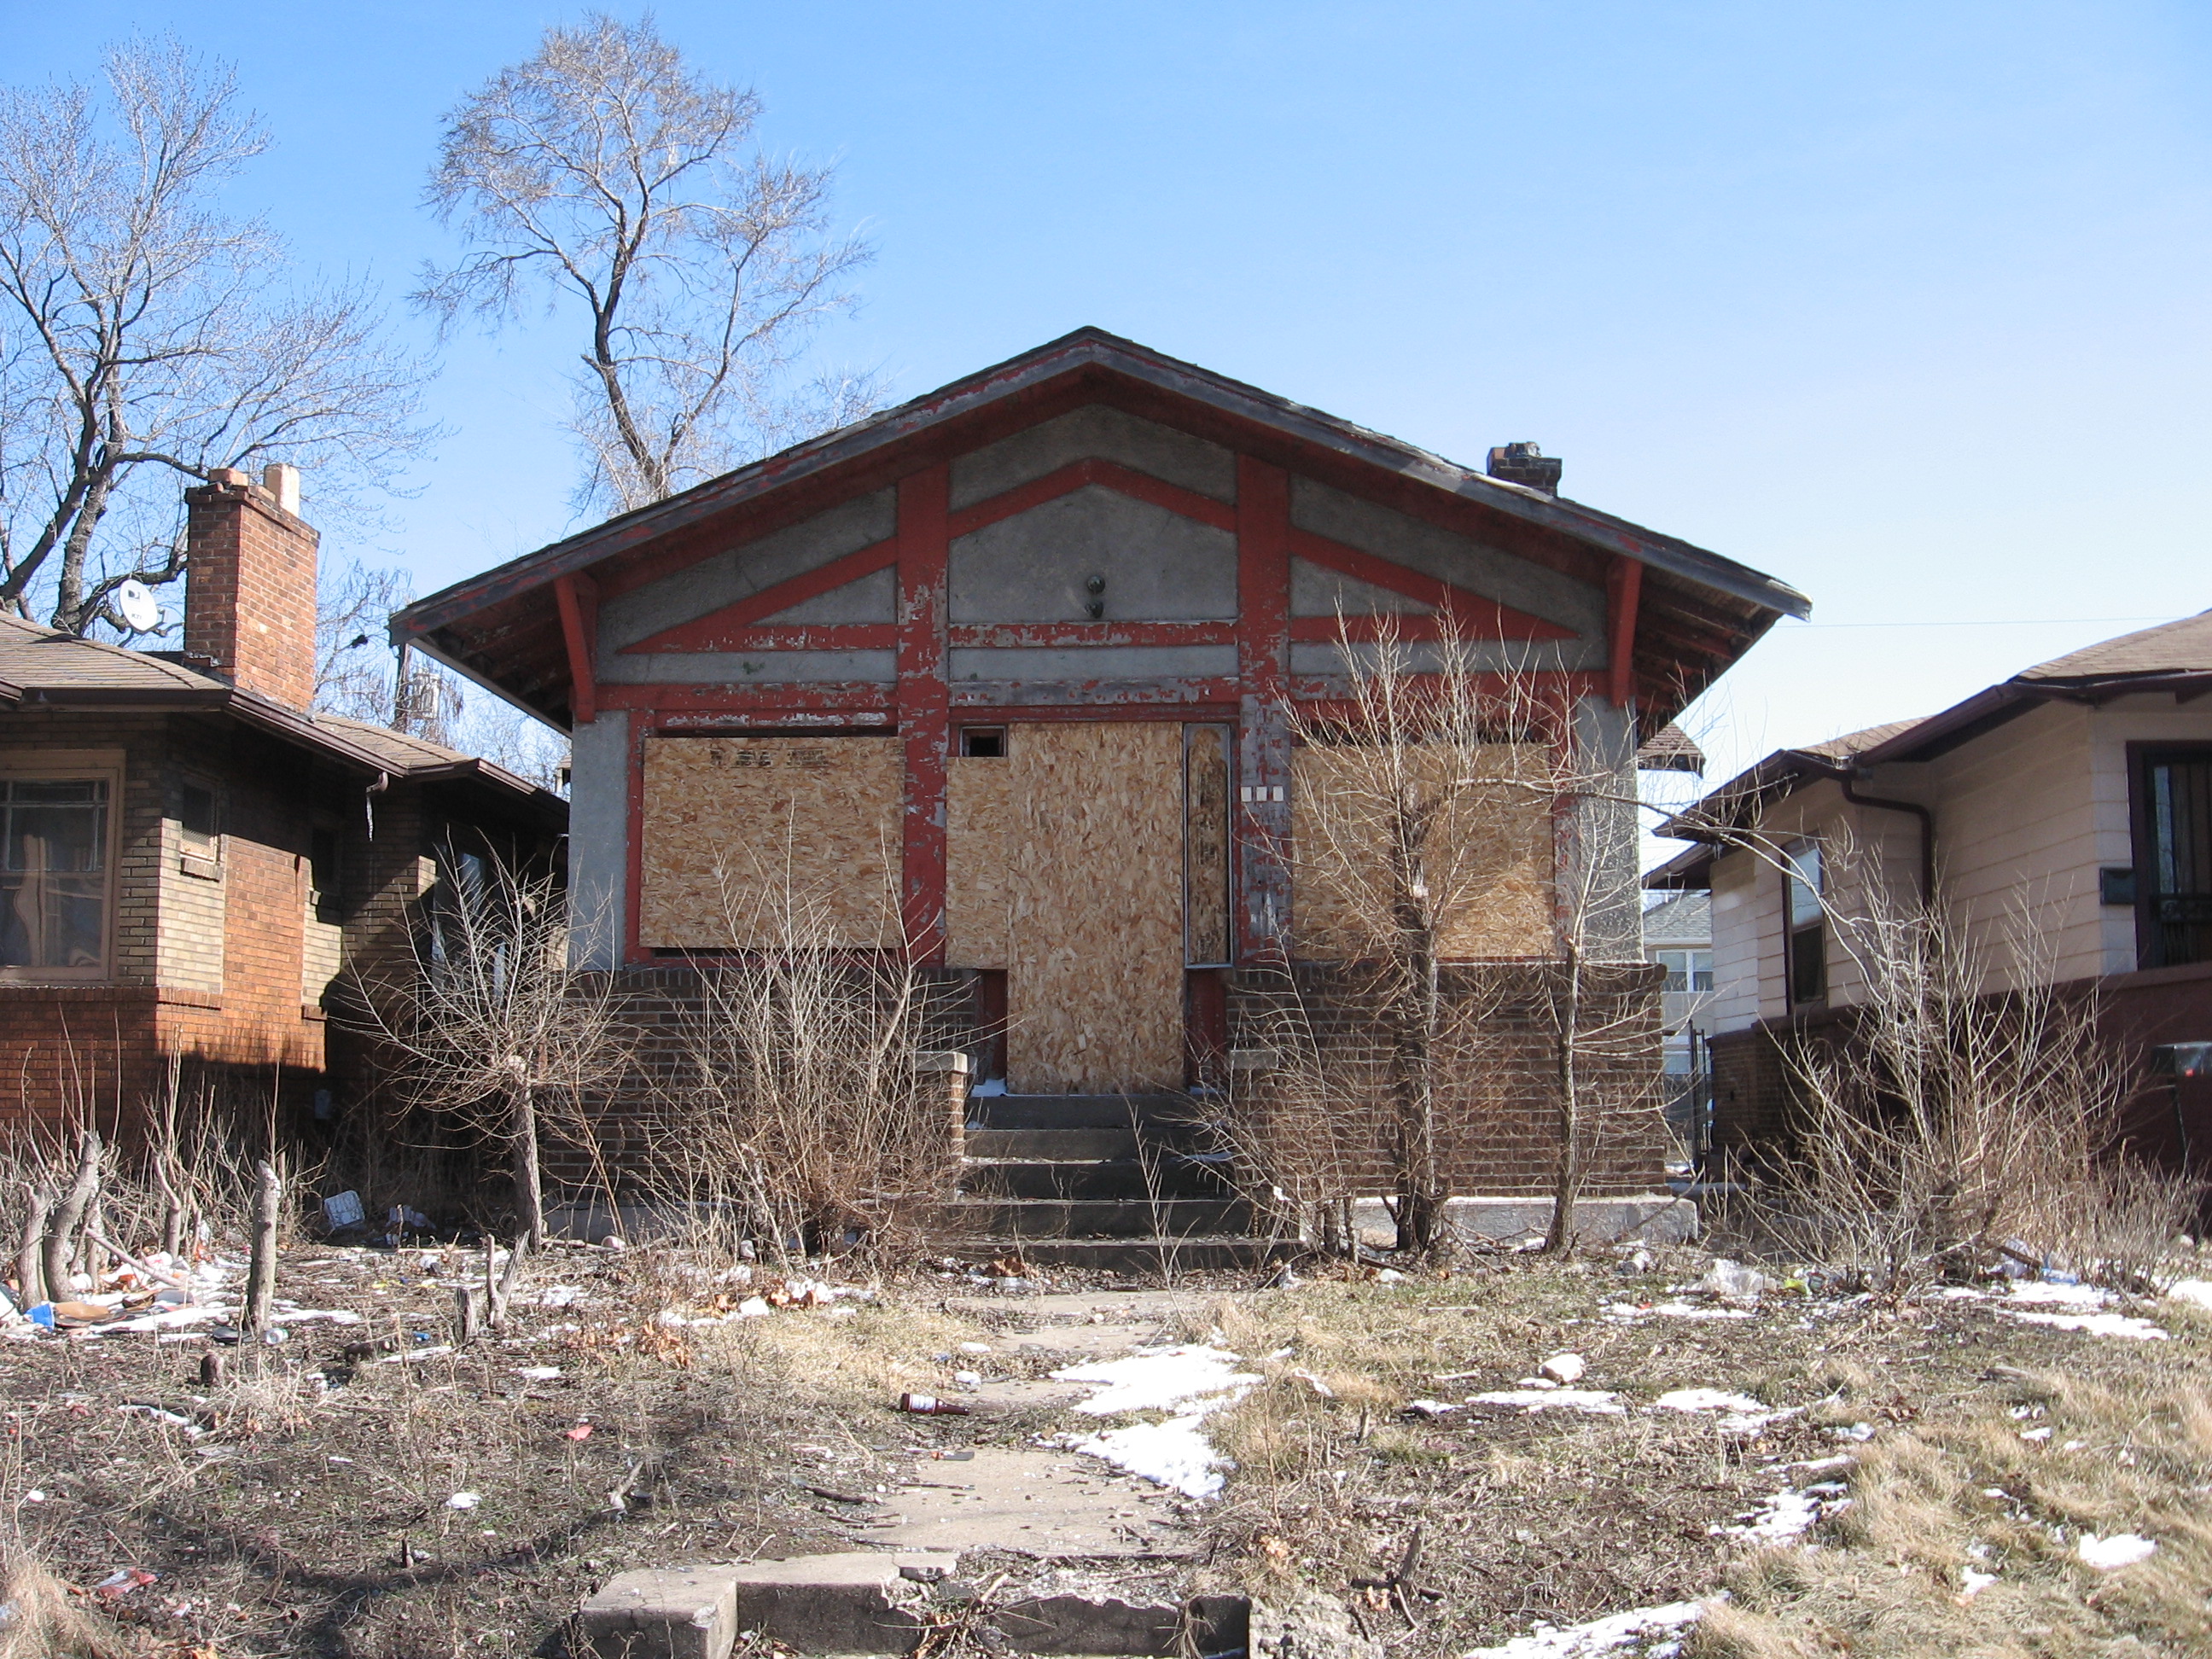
1325, 1119
250, 588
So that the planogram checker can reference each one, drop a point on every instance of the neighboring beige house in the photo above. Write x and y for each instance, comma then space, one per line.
2063, 818
1678, 935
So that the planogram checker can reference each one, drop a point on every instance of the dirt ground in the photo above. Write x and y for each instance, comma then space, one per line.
365, 1489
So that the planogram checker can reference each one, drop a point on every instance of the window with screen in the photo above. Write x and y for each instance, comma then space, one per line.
53, 876
2173, 858
1807, 924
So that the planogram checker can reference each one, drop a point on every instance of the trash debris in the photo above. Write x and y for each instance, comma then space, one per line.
1733, 1283
1564, 1368
928, 1405
121, 1582
343, 1210
1637, 1261
582, 1431
464, 1500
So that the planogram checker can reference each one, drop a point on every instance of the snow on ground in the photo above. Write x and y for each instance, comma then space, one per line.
2122, 1549
1789, 1515
1160, 1379
1653, 1632
2197, 1291
1200, 1380
1674, 1311
1597, 1401
1744, 1414
2074, 1308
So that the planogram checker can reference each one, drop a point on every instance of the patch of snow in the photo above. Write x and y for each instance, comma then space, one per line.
1674, 1311
1596, 1400
2197, 1291
1175, 1454
2093, 1324
1646, 1630
1787, 1515
464, 1500
1743, 1413
1840, 1461
538, 1373
1161, 1379
559, 1295
1564, 1368
1972, 1583
2067, 1296
2122, 1549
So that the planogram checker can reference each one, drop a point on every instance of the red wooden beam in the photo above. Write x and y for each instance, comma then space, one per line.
1624, 583
1262, 877
713, 632
924, 702
847, 695
804, 636
1109, 475
578, 596
1093, 634
1478, 618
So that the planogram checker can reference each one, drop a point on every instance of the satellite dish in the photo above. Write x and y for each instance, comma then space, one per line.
135, 603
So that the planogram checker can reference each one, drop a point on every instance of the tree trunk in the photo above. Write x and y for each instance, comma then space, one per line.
529, 1191
261, 1271
1567, 1173
30, 1271
61, 1238
1421, 1196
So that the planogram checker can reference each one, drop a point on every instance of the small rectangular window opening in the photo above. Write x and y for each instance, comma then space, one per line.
196, 813
983, 742
322, 873
1808, 963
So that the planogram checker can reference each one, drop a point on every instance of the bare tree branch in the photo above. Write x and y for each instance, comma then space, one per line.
604, 169
146, 338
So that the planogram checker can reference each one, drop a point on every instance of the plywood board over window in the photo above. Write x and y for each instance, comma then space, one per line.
978, 839
1095, 981
1488, 861
741, 834
1205, 844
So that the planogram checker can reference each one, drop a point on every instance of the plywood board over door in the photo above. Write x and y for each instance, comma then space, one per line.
1094, 980
760, 842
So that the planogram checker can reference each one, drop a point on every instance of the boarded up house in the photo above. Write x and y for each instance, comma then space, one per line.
1000, 676
192, 858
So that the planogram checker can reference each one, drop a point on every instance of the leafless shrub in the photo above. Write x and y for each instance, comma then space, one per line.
1947, 1123
45, 1620
489, 1025
794, 1114
1451, 811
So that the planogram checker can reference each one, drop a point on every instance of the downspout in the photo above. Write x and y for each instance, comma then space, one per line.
1845, 776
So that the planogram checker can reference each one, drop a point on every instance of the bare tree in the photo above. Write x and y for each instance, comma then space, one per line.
488, 1023
143, 334
603, 168
1463, 850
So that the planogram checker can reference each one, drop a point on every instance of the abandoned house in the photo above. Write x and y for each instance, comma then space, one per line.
1002, 677
190, 857
2061, 818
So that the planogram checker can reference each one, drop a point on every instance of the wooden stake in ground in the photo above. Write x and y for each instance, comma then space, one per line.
261, 1274
498, 1294
61, 1237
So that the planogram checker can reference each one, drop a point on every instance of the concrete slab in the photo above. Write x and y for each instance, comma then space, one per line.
683, 1613
1034, 1503
1647, 1217
849, 1602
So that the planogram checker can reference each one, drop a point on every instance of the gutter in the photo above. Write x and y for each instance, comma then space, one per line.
1848, 776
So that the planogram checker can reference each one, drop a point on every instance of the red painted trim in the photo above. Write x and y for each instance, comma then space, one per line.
803, 637
924, 702
578, 597
1262, 884
1099, 633
713, 632
1108, 475
850, 695
1224, 708
1624, 586
1478, 618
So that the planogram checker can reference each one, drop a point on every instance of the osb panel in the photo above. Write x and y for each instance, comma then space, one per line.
1095, 980
733, 825
1206, 846
1488, 863
979, 796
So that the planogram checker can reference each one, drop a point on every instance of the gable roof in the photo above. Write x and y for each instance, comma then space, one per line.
46, 667
502, 629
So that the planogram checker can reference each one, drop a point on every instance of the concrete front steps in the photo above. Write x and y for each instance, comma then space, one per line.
856, 1602
1123, 1183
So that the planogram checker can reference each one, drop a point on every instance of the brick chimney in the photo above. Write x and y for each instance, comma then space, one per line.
1525, 463
250, 582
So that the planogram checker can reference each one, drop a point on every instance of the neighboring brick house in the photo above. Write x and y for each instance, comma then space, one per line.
1006, 674
189, 857
2070, 805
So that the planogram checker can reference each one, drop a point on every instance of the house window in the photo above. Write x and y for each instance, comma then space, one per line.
196, 817
54, 868
1807, 923
983, 742
2173, 858
1686, 970
322, 872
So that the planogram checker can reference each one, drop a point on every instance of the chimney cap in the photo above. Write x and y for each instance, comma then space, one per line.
282, 480
1527, 464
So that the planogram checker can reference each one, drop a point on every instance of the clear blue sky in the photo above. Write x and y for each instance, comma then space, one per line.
1904, 303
